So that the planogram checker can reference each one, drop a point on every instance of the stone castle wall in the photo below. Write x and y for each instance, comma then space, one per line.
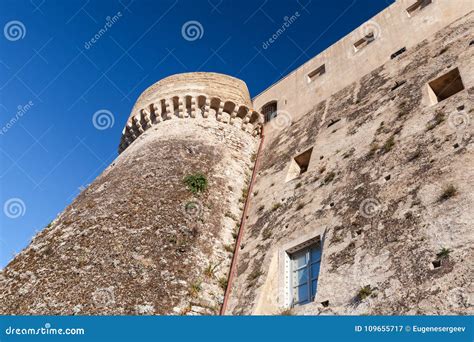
374, 193
192, 95
384, 149
393, 28
137, 240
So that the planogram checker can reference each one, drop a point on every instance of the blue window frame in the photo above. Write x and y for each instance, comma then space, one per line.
305, 265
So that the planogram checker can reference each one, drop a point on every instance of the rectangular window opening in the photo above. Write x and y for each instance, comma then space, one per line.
398, 53
418, 6
321, 70
445, 86
299, 164
305, 263
269, 110
363, 42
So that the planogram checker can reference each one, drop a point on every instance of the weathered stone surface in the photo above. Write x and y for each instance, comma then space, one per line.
391, 246
389, 184
137, 241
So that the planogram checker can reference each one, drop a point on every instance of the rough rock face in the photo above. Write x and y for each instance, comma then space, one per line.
389, 185
137, 240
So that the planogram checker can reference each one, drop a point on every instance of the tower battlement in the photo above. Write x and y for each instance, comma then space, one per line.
192, 95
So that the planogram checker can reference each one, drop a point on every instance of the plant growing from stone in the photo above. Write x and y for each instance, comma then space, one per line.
196, 182
195, 288
223, 283
443, 253
448, 192
364, 292
209, 270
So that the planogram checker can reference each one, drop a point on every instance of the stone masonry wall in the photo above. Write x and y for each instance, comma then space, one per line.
137, 241
389, 185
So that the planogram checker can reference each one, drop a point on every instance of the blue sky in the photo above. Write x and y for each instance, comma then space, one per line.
54, 78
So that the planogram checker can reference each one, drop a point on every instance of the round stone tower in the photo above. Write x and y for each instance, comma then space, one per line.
154, 233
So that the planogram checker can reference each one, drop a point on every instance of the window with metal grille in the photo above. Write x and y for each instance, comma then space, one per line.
305, 265
269, 111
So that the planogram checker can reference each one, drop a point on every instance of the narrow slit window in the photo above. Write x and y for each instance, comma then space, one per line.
445, 86
364, 41
304, 273
398, 53
269, 110
316, 73
418, 6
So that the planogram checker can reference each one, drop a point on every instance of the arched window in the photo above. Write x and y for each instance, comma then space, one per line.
269, 110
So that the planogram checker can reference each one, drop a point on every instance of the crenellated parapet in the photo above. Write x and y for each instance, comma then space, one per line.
193, 96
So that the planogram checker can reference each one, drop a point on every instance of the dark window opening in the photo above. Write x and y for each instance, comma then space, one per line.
445, 86
398, 53
316, 73
418, 6
269, 110
303, 160
398, 84
366, 40
333, 122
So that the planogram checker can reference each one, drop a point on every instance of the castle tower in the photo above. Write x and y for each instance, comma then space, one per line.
153, 234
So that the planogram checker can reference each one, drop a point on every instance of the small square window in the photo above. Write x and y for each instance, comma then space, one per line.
316, 73
418, 6
304, 273
445, 86
363, 42
299, 164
